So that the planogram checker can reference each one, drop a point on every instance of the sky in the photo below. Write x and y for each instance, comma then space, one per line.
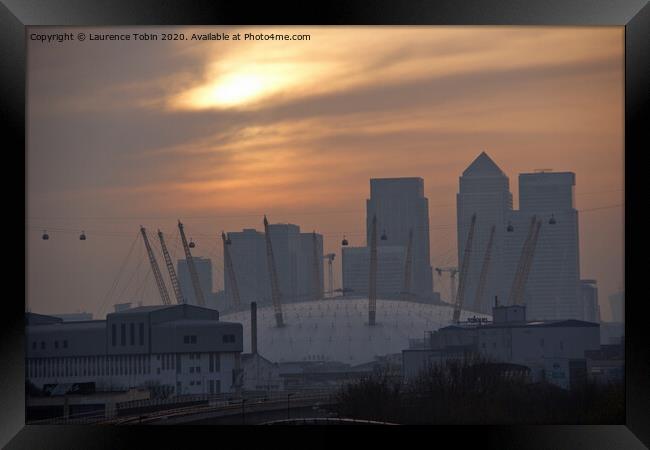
217, 133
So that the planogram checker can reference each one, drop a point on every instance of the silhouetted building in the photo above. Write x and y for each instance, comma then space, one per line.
74, 317
510, 338
400, 206
484, 191
589, 291
552, 290
182, 349
617, 307
248, 253
204, 271
293, 253
390, 270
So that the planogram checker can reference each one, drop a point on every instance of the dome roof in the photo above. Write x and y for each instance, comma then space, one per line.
337, 330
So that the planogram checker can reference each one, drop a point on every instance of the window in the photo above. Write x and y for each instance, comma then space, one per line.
141, 332
132, 334
42, 345
123, 334
34, 345
158, 370
56, 344
211, 363
186, 339
191, 369
198, 369
217, 363
65, 344
193, 339
113, 335
191, 355
228, 338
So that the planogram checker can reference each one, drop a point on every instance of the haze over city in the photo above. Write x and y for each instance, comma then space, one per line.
220, 133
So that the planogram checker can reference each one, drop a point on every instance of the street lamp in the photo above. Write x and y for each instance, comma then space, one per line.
288, 405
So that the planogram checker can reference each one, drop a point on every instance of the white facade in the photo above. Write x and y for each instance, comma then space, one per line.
179, 349
400, 206
484, 190
390, 270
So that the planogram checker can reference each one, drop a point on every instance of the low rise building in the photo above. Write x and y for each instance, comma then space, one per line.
509, 338
178, 349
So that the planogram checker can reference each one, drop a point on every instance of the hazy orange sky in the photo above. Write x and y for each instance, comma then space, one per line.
219, 133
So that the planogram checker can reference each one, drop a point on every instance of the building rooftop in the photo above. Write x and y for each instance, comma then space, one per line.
483, 166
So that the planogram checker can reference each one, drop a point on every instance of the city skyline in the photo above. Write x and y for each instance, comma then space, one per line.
123, 160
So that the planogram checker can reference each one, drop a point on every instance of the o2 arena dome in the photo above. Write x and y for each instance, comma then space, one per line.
337, 329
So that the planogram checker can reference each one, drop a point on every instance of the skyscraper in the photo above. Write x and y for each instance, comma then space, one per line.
293, 253
390, 270
204, 272
400, 205
484, 190
553, 286
248, 253
590, 307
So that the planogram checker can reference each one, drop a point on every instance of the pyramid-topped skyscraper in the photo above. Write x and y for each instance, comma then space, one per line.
484, 190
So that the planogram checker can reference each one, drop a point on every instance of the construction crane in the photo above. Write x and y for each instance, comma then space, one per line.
316, 269
525, 262
464, 269
162, 289
453, 271
330, 273
276, 294
172, 272
482, 280
372, 279
406, 292
230, 271
198, 293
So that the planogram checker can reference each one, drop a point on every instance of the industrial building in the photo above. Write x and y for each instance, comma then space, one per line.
180, 349
508, 338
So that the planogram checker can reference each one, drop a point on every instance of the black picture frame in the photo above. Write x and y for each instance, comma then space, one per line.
634, 15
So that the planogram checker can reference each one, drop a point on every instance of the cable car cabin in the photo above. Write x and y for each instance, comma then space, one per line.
510, 228
552, 220
82, 236
192, 244
344, 242
383, 236
45, 236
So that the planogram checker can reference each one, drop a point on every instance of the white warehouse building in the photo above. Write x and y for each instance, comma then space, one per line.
182, 349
